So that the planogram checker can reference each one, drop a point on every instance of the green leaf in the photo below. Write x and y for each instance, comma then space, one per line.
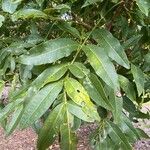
65, 26
16, 48
115, 1
142, 133
76, 123
51, 126
40, 2
2, 84
49, 52
78, 94
128, 105
68, 137
102, 65
96, 91
147, 58
19, 93
118, 108
109, 144
138, 78
28, 13
144, 6
127, 87
128, 128
9, 6
132, 41
62, 7
78, 70
14, 120
117, 104
90, 2
2, 19
78, 112
112, 46
120, 136
9, 108
50, 74
39, 103
3, 122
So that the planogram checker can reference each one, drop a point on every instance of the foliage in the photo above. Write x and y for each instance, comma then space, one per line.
72, 61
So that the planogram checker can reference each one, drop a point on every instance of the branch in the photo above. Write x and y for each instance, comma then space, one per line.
79, 20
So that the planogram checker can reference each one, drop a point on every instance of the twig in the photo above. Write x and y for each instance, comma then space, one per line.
78, 20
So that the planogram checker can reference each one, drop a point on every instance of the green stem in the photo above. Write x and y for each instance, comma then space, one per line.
80, 47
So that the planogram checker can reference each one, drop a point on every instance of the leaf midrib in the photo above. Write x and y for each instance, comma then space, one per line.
104, 98
53, 123
122, 140
53, 50
80, 69
113, 48
35, 110
101, 64
52, 75
85, 100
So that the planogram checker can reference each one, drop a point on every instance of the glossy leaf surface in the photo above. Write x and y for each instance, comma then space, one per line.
102, 65
49, 52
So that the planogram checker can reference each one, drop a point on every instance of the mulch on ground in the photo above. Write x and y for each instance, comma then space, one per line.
26, 139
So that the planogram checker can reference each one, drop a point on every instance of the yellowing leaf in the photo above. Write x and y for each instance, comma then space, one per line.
78, 94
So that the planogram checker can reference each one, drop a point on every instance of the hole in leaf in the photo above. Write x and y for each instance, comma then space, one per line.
83, 103
78, 91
